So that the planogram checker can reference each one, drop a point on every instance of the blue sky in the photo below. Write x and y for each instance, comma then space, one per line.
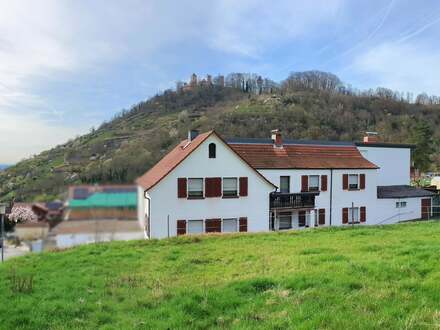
65, 66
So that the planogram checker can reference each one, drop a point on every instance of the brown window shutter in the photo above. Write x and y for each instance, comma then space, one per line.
304, 183
213, 225
362, 181
321, 217
243, 186
181, 227
345, 215
301, 218
181, 188
345, 182
243, 226
213, 187
363, 214
323, 182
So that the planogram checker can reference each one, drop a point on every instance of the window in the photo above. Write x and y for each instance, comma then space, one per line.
400, 204
313, 182
230, 225
285, 220
285, 184
353, 215
230, 187
212, 150
353, 181
195, 226
195, 188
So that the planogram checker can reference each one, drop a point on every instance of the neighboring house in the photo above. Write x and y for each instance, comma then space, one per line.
207, 184
106, 202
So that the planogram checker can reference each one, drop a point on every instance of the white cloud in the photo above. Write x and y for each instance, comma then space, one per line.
248, 27
28, 134
68, 42
403, 67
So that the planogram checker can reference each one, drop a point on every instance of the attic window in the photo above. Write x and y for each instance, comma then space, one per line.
212, 150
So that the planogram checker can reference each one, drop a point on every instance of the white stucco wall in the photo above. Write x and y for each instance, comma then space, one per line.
387, 213
341, 198
394, 164
165, 204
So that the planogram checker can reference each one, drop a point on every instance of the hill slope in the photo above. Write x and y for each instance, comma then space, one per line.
364, 278
127, 146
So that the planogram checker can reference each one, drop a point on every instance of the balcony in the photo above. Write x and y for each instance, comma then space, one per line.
293, 201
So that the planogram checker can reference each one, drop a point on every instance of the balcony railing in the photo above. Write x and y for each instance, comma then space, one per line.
292, 201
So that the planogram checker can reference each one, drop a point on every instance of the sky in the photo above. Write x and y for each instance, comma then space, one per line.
66, 66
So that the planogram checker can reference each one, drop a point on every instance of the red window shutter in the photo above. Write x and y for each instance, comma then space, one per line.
301, 218
323, 182
243, 225
345, 215
363, 214
181, 227
213, 225
304, 183
345, 182
321, 214
243, 186
362, 181
181, 188
213, 187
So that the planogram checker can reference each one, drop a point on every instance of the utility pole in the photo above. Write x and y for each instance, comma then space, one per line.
2, 225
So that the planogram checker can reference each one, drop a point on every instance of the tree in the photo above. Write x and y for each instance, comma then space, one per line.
20, 214
422, 137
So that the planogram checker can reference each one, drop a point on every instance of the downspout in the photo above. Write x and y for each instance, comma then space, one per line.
147, 235
331, 195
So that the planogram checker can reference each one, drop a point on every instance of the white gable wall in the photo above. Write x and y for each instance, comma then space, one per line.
165, 204
394, 164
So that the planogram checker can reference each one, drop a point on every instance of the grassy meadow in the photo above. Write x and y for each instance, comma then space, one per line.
339, 278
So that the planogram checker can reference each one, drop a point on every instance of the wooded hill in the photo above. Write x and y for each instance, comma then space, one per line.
311, 105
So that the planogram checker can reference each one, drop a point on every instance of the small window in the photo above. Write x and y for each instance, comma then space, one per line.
285, 184
353, 215
212, 150
313, 182
195, 226
230, 225
195, 188
400, 204
230, 187
353, 181
285, 220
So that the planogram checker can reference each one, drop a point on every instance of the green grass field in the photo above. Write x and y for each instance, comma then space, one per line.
362, 278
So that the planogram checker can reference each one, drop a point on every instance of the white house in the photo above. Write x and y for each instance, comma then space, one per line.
207, 184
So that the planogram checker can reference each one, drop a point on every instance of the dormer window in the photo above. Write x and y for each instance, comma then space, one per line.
212, 151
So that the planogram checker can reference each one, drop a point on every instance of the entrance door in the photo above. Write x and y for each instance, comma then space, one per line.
426, 208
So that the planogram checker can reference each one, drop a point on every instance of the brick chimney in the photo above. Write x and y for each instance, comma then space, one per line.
277, 138
371, 137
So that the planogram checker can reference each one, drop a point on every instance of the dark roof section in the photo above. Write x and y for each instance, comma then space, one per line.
321, 143
288, 142
384, 145
402, 191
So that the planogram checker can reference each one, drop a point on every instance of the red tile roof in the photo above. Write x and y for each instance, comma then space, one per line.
265, 156
170, 161
178, 155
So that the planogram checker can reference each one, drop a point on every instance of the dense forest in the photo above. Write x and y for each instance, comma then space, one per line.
307, 105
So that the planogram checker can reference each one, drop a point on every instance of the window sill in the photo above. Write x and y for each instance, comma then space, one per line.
194, 197
353, 189
230, 197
